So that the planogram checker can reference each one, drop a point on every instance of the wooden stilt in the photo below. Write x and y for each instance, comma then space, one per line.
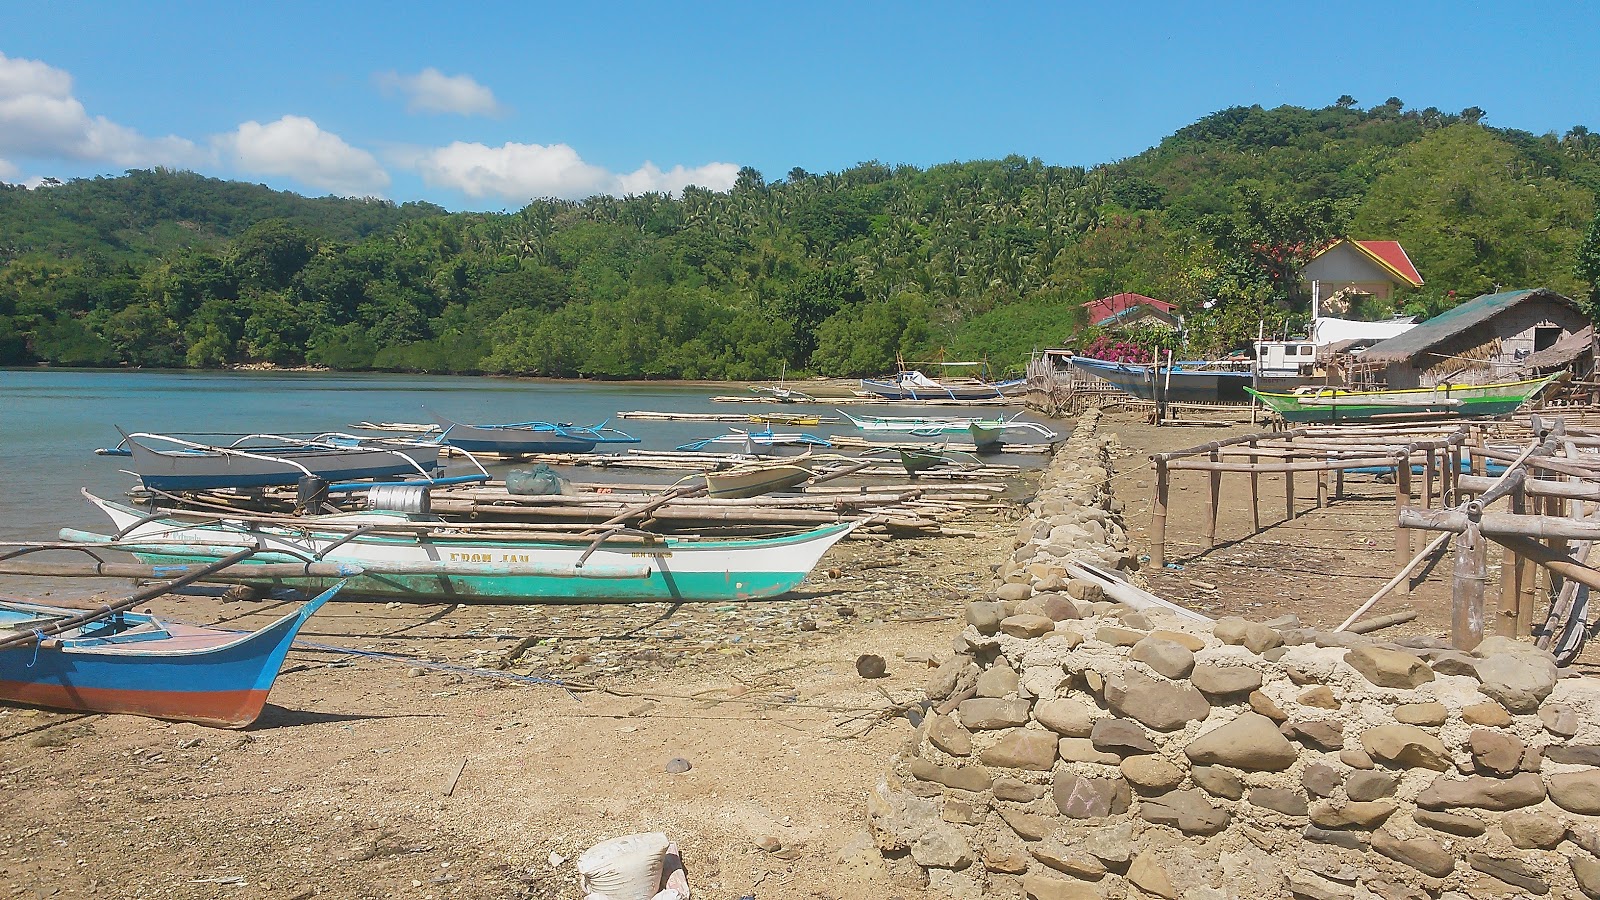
1288, 491
1158, 517
1553, 581
1322, 489
1214, 501
1255, 493
1509, 622
1466, 595
1402, 499
1430, 473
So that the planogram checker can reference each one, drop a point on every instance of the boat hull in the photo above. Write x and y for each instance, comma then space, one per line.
1186, 385
194, 471
525, 439
1466, 401
185, 673
492, 568
739, 484
895, 390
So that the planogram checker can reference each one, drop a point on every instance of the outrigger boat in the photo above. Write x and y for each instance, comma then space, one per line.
260, 460
753, 481
109, 660
934, 426
418, 556
759, 443
911, 384
1342, 405
522, 438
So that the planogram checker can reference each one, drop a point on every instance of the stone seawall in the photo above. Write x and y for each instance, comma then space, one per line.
1076, 748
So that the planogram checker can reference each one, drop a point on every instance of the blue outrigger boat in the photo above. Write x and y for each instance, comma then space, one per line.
263, 460
522, 438
109, 660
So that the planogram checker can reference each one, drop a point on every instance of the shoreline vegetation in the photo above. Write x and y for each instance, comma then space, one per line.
840, 274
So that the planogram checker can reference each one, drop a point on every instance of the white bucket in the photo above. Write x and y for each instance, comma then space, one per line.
624, 868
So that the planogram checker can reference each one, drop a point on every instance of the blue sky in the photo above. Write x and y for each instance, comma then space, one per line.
486, 105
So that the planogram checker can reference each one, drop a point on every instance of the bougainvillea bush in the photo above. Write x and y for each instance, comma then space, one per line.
1113, 349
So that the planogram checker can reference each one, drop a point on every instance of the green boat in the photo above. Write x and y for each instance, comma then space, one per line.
1328, 404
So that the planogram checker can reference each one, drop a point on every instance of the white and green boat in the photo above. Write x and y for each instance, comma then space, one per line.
421, 557
1329, 404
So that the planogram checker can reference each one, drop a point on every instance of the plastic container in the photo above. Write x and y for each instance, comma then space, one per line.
399, 498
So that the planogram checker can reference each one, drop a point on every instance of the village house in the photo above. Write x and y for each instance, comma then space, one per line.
1347, 272
1125, 309
1482, 341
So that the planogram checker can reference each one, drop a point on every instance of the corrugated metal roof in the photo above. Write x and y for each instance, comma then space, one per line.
1451, 323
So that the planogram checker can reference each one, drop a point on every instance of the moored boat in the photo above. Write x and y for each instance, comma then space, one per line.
753, 481
1343, 405
261, 460
137, 664
759, 443
523, 438
911, 384
422, 557
934, 426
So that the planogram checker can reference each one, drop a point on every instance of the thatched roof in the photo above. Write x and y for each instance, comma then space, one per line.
1446, 325
1561, 352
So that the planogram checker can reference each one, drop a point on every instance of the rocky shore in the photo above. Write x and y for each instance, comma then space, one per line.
1077, 748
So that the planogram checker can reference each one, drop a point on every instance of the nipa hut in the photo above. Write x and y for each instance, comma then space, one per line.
1482, 341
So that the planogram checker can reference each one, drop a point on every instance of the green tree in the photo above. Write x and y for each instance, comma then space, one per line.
1587, 270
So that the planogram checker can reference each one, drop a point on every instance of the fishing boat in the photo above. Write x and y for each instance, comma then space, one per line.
1343, 405
986, 437
260, 460
911, 384
934, 426
522, 438
915, 460
753, 481
417, 556
759, 443
138, 664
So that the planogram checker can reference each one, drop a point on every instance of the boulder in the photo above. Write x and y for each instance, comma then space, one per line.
1117, 636
988, 714
1495, 752
1123, 737
1016, 790
1479, 792
1560, 719
1577, 792
1586, 872
1218, 781
1320, 696
966, 778
1070, 859
1261, 704
1428, 714
1029, 826
1251, 742
1320, 780
1320, 734
1574, 754
1151, 774
1406, 746
1014, 592
1048, 887
1058, 607
1081, 797
1426, 856
1023, 748
1252, 636
1224, 681
1147, 874
1328, 814
985, 615
1186, 811
1450, 823
1510, 870
1487, 713
1519, 681
948, 735
1160, 705
1533, 830
999, 681
1111, 844
1065, 717
1010, 859
1167, 658
1370, 785
1082, 750
1349, 840
1389, 668
901, 822
1283, 800
1194, 642
1027, 626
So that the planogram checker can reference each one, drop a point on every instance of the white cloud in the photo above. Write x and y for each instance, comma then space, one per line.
521, 172
433, 91
716, 176
40, 118
295, 147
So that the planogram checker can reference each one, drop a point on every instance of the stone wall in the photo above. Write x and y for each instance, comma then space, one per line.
1076, 748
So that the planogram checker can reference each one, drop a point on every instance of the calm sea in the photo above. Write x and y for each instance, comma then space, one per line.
51, 421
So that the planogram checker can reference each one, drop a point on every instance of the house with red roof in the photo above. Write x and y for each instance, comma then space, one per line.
1346, 268
1131, 309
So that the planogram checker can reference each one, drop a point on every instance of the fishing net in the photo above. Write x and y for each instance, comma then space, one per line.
540, 480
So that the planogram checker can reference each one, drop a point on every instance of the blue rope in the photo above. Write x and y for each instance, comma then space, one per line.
38, 638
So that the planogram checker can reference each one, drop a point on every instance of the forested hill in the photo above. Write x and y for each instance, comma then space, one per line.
836, 273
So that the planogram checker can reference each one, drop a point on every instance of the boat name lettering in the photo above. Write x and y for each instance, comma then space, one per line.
490, 557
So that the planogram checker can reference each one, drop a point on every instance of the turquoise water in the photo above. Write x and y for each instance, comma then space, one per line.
52, 420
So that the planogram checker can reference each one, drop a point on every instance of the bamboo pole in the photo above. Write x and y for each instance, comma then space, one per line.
1288, 491
1394, 582
1430, 474
1158, 516
1402, 500
1509, 622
